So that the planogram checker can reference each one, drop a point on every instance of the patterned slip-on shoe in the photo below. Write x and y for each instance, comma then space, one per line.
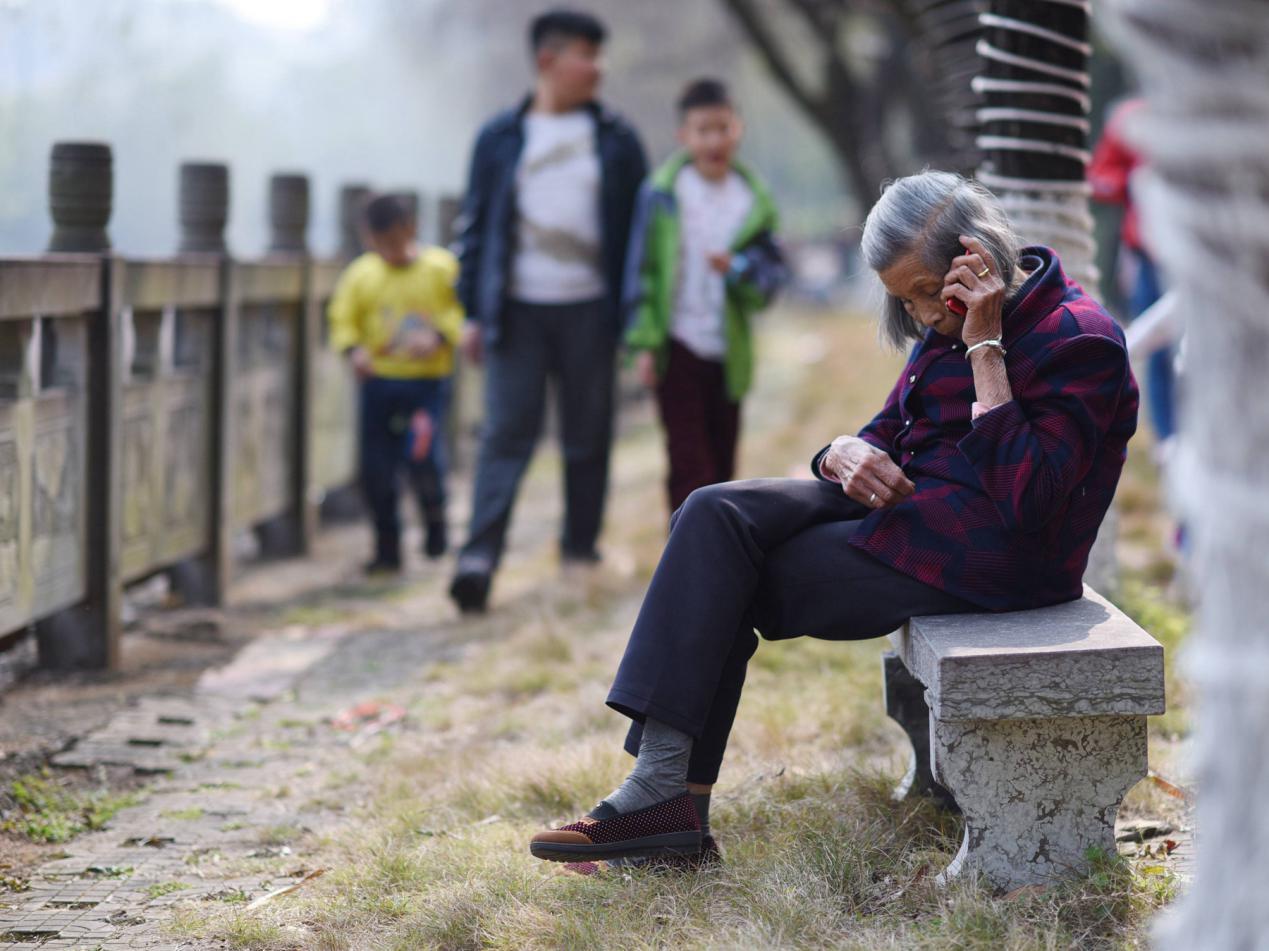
667, 828
710, 855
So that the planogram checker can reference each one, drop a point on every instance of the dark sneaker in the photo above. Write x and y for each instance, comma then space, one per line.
709, 856
666, 828
436, 541
380, 568
470, 591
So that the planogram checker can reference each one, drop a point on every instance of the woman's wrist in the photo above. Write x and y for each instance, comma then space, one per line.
991, 379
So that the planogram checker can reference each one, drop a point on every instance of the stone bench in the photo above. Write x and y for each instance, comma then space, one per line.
1033, 723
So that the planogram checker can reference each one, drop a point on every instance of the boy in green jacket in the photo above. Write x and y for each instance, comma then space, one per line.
702, 261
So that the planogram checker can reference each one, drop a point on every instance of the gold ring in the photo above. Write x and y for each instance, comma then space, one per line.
984, 272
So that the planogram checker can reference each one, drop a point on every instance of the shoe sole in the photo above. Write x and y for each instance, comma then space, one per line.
667, 843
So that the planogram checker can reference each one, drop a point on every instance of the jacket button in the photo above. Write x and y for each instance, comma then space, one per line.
912, 378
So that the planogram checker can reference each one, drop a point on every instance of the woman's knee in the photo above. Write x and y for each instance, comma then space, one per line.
707, 499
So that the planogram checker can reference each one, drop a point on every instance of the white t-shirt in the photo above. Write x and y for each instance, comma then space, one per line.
710, 215
557, 254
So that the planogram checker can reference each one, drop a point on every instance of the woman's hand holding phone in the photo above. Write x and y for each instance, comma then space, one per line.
975, 289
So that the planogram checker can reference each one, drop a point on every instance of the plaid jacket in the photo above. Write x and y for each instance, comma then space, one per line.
1007, 507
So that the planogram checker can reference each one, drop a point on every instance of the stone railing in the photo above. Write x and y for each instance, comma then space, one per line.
153, 410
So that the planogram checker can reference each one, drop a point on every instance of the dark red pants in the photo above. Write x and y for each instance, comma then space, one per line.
702, 423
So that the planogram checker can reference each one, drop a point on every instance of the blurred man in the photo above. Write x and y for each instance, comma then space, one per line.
545, 225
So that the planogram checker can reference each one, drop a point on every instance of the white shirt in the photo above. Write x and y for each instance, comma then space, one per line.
557, 254
710, 215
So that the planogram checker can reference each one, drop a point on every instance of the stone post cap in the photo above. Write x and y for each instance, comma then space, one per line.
204, 206
289, 212
80, 196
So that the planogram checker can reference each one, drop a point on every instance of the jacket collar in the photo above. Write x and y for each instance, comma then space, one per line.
662, 178
1041, 293
601, 113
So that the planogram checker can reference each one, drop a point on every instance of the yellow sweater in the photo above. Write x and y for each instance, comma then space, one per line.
378, 307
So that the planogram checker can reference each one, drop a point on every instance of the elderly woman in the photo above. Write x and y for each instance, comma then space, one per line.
979, 486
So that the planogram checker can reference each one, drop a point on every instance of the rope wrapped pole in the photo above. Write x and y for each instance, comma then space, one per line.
1033, 124
1204, 68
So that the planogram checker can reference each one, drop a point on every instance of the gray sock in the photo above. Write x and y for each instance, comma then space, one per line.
702, 811
660, 772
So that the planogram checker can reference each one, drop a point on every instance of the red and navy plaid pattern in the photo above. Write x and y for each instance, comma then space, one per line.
1007, 507
673, 815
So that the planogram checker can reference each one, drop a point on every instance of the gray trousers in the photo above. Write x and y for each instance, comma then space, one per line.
573, 346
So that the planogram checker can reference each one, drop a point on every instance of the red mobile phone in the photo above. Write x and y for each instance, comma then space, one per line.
956, 306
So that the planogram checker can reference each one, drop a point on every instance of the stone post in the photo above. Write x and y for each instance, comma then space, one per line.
80, 194
204, 204
204, 212
292, 534
352, 205
448, 208
289, 213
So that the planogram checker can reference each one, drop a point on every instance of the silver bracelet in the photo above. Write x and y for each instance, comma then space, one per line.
996, 344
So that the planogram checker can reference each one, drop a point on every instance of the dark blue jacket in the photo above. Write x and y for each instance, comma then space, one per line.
487, 223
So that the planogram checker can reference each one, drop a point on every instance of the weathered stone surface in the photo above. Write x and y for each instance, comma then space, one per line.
80, 196
1037, 794
1083, 658
905, 704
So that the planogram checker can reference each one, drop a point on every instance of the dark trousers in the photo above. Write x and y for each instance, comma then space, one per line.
702, 423
771, 554
574, 347
387, 408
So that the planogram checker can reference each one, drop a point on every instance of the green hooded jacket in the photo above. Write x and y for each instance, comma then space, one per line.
653, 263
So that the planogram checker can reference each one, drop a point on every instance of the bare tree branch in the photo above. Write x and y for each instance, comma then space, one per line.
764, 41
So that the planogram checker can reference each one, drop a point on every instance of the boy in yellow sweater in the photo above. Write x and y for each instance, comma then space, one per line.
396, 318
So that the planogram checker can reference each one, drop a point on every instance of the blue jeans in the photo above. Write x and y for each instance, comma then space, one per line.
387, 410
1160, 380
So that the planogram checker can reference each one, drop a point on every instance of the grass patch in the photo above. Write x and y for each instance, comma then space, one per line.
40, 808
159, 889
283, 834
184, 815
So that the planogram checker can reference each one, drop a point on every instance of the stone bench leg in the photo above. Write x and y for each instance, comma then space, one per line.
1037, 794
905, 704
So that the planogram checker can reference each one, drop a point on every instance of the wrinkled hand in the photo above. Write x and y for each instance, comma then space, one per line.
720, 262
473, 343
866, 473
983, 294
359, 360
646, 366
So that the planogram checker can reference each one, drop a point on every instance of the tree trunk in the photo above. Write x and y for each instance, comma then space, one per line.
1205, 131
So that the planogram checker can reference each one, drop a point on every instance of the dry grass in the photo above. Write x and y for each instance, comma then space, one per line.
512, 734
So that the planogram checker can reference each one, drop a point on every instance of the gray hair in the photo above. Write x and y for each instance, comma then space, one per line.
926, 214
